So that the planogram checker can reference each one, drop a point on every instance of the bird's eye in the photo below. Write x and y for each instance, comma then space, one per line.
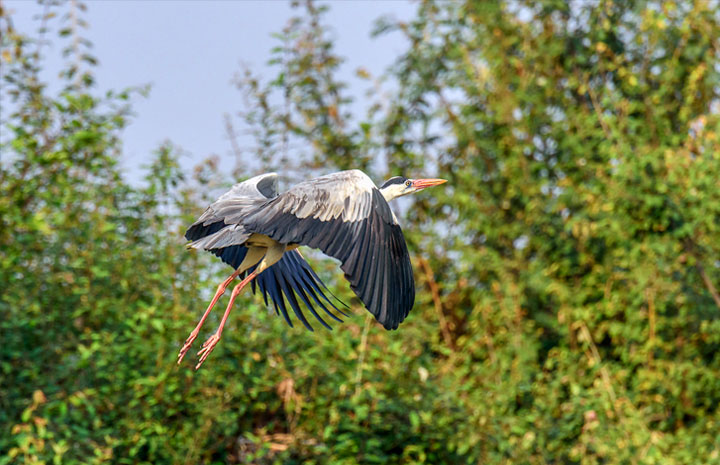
408, 183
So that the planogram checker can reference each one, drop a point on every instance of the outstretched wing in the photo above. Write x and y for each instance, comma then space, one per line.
345, 215
218, 231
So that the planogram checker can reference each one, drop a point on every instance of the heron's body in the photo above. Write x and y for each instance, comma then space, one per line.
254, 229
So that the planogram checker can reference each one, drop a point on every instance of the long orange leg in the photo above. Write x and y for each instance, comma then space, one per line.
194, 334
253, 256
272, 255
212, 341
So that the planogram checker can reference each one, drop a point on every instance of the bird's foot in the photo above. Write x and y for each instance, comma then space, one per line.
207, 347
188, 342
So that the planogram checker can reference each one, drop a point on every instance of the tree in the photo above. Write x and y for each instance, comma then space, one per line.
567, 307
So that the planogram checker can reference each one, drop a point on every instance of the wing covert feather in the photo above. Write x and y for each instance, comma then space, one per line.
211, 230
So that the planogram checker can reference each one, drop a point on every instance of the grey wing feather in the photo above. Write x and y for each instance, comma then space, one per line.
346, 194
211, 230
345, 215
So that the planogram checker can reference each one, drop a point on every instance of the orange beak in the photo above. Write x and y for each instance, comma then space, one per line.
425, 183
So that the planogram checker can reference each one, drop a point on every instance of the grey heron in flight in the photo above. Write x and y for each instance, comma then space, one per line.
257, 231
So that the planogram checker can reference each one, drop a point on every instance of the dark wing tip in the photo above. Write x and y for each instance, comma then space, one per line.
379, 268
293, 277
199, 230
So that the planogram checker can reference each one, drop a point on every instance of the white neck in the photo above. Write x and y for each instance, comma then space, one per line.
393, 191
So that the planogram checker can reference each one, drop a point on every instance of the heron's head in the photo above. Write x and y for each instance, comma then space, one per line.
398, 186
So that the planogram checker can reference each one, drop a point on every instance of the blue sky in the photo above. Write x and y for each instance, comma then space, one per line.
189, 51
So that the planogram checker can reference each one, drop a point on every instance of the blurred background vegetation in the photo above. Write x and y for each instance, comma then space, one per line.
568, 308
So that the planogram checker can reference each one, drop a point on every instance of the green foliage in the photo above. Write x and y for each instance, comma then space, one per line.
567, 307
